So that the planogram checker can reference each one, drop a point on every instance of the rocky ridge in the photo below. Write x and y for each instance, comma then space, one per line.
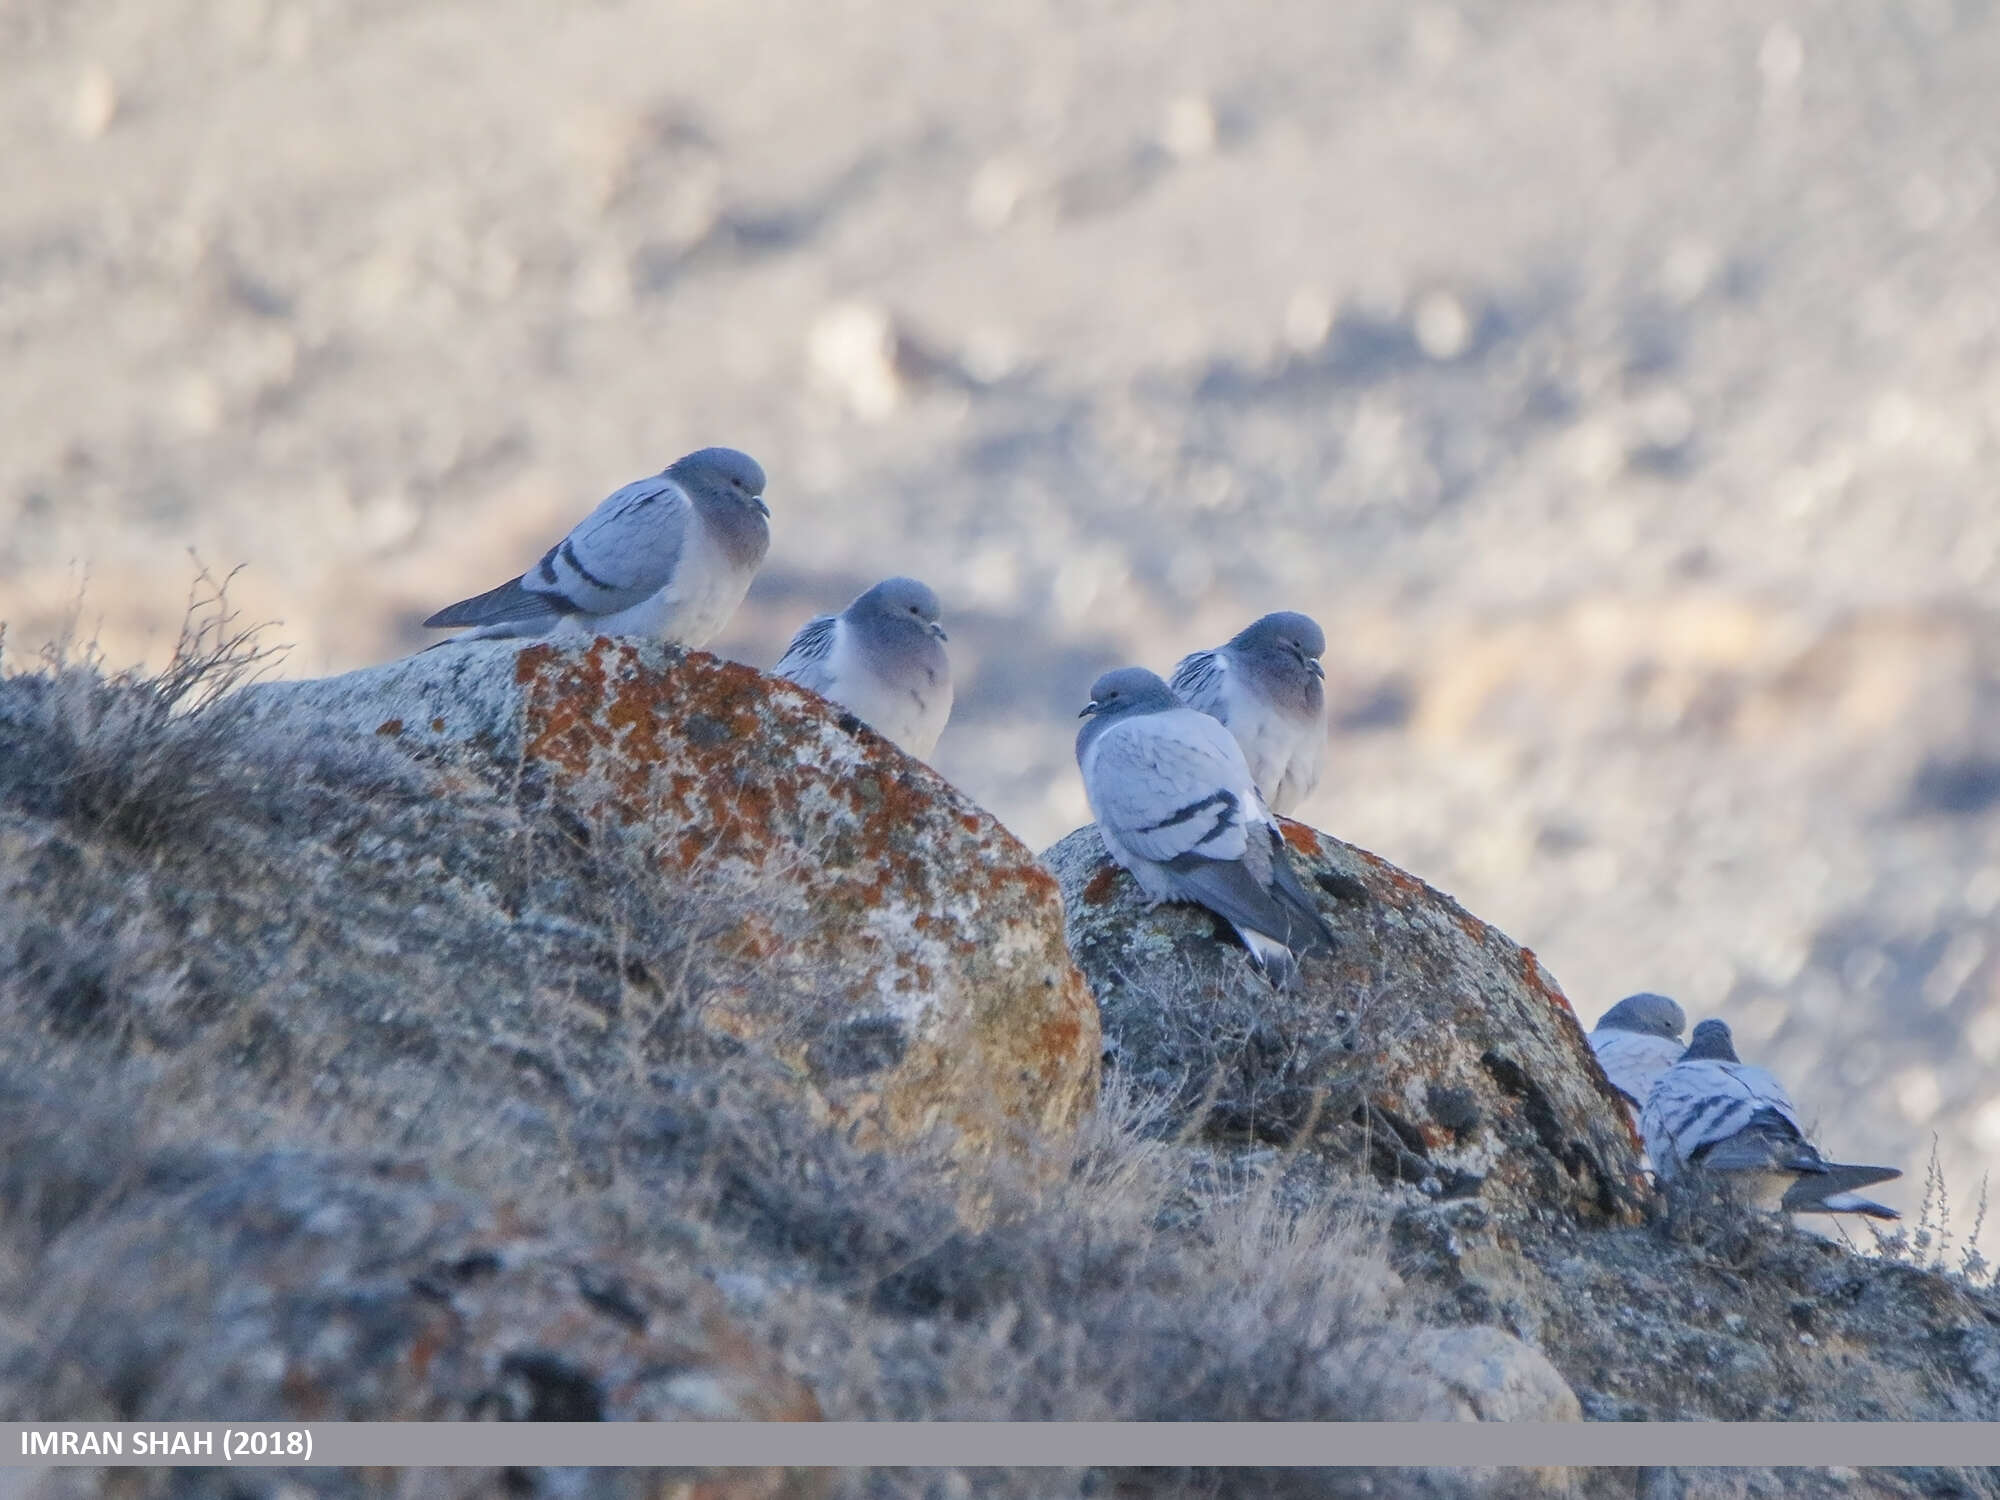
516, 1024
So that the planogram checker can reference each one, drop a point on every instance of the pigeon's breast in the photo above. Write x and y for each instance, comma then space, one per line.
1634, 1060
904, 698
1282, 751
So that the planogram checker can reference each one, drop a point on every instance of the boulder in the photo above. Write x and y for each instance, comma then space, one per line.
1470, 1374
1429, 1049
858, 884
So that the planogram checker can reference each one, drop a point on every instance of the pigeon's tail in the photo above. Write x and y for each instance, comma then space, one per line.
1838, 1203
1278, 927
1831, 1191
505, 605
1308, 932
1272, 956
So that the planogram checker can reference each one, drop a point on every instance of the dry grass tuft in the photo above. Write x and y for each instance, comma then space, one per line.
150, 758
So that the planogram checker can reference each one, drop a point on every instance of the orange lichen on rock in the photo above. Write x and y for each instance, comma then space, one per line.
1470, 925
882, 895
1102, 886
1299, 836
1540, 982
1405, 887
870, 865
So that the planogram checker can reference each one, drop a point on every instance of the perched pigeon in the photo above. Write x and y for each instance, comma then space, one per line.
1713, 1113
1637, 1040
1176, 806
668, 557
1267, 685
883, 657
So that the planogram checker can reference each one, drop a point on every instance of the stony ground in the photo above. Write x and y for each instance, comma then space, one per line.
1616, 383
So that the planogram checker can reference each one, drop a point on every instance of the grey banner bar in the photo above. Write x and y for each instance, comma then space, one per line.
1000, 1444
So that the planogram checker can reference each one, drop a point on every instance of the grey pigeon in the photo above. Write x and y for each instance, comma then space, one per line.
1267, 685
882, 657
1710, 1112
1636, 1041
1176, 806
668, 557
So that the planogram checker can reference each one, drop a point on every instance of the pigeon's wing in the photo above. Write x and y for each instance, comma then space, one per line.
1767, 1141
1696, 1105
808, 660
1199, 681
1170, 791
508, 603
621, 553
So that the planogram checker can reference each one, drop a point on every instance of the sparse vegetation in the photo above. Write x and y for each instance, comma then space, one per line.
150, 757
1928, 1243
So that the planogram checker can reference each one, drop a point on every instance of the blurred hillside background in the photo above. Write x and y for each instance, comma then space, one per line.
1618, 383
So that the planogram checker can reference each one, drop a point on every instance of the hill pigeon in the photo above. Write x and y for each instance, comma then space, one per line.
1636, 1041
1267, 685
1176, 806
1711, 1113
882, 657
668, 557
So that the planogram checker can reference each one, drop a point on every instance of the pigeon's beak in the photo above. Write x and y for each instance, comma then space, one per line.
762, 509
1088, 709
1316, 669
938, 631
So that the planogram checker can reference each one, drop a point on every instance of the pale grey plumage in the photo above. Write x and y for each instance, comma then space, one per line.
1266, 684
1636, 1041
1176, 806
883, 658
1711, 1112
669, 557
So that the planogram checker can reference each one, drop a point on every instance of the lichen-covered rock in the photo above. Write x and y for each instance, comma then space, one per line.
1429, 1046
856, 874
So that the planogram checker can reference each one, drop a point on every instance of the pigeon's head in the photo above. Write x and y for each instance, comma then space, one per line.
1285, 633
1710, 1043
1650, 1015
902, 601
721, 476
1125, 691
